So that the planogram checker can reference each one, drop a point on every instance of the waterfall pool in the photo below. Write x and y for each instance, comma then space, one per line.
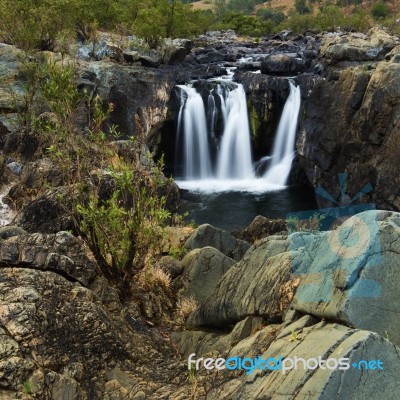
233, 210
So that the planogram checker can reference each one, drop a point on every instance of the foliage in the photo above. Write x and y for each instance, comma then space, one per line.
270, 14
380, 10
301, 7
115, 203
247, 24
329, 18
177, 252
50, 24
169, 19
242, 6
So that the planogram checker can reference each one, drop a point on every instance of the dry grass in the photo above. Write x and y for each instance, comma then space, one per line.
203, 5
184, 307
152, 276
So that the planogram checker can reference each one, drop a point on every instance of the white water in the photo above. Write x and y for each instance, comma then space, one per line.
233, 169
195, 136
284, 144
234, 158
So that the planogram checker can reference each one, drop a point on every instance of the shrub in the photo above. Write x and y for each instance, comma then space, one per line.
125, 225
380, 10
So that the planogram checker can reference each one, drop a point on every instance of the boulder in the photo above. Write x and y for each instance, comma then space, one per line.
352, 47
10, 231
277, 64
149, 62
351, 274
261, 284
260, 228
171, 265
174, 55
225, 242
131, 56
329, 341
202, 270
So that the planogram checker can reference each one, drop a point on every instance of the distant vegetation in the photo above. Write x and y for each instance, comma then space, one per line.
50, 24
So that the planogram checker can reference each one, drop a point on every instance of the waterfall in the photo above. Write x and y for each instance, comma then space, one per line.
224, 163
284, 144
197, 163
234, 160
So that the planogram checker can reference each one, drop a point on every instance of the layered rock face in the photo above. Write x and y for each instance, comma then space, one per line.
351, 118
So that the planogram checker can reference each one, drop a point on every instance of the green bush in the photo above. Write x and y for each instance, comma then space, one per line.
380, 10
124, 226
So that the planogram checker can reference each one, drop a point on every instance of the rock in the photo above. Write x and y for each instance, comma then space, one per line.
171, 265
187, 44
394, 55
149, 62
355, 283
333, 341
366, 106
277, 64
131, 56
350, 47
261, 284
10, 231
260, 228
36, 175
225, 242
174, 55
61, 253
45, 214
202, 270
15, 167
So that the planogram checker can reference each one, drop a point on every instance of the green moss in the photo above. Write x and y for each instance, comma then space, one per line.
254, 121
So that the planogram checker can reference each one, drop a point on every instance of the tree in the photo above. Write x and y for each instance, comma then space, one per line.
380, 10
301, 7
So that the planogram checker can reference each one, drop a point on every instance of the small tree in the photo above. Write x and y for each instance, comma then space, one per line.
122, 224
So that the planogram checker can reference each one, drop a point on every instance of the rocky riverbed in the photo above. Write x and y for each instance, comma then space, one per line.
268, 291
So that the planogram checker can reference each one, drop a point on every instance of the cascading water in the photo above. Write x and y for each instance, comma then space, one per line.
234, 158
284, 144
197, 164
226, 164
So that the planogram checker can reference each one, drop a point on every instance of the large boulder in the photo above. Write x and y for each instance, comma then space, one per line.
355, 380
357, 47
260, 284
260, 228
351, 274
225, 242
202, 270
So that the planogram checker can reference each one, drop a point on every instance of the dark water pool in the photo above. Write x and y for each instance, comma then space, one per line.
235, 210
